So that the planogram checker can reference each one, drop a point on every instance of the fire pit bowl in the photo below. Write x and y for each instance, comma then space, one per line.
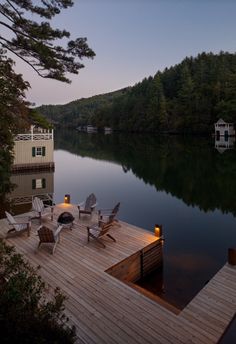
65, 219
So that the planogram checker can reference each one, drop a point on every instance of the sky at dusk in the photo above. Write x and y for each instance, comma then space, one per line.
133, 39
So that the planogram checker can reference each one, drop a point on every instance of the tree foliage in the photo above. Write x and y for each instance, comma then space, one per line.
13, 106
35, 42
79, 112
13, 115
26, 314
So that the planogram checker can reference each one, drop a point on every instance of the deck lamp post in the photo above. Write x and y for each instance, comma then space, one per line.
158, 231
67, 199
232, 256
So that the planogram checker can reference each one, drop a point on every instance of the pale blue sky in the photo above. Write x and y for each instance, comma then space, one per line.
133, 39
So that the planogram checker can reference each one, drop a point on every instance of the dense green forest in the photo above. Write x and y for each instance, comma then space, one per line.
78, 112
188, 97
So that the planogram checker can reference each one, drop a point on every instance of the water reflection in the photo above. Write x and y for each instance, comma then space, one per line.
223, 143
28, 185
190, 169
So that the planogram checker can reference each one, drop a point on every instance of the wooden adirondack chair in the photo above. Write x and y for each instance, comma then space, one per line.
97, 231
18, 224
47, 236
41, 209
109, 214
88, 206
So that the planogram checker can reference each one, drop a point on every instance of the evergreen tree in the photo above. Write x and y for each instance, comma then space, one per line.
27, 315
35, 42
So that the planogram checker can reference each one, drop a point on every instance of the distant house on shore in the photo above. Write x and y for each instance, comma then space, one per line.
224, 129
33, 150
91, 129
107, 130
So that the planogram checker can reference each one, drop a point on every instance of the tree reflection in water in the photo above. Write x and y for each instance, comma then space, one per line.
190, 169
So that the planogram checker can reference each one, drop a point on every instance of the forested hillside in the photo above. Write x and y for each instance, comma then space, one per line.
78, 112
186, 98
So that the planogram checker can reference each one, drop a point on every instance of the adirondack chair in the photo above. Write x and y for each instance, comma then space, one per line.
47, 236
109, 214
87, 206
41, 209
19, 224
97, 231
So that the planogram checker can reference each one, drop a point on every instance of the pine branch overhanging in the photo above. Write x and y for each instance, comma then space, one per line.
34, 41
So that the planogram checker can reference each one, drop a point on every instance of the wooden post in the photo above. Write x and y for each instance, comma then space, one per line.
52, 209
232, 256
141, 264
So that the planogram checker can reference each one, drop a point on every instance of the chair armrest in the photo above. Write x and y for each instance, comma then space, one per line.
96, 228
58, 230
48, 206
107, 213
100, 223
48, 209
21, 223
93, 205
27, 218
103, 210
80, 204
39, 228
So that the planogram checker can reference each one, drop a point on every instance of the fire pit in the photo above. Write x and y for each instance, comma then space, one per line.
66, 219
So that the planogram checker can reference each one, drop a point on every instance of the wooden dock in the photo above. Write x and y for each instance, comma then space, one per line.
106, 310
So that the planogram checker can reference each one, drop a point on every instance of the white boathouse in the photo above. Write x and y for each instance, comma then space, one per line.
33, 150
224, 129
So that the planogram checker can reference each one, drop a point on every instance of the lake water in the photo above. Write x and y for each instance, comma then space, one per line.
184, 184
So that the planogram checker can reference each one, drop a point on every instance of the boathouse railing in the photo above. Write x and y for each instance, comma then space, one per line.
34, 136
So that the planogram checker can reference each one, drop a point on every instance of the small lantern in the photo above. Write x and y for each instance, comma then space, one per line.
158, 230
67, 199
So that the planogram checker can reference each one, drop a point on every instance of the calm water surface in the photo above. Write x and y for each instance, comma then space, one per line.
184, 184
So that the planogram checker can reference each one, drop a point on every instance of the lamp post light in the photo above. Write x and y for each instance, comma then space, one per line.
67, 199
158, 231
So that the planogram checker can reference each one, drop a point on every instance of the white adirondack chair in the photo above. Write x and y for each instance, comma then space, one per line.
18, 224
41, 209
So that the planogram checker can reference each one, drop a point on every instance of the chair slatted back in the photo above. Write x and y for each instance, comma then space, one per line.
46, 234
116, 209
114, 212
10, 218
90, 201
105, 228
38, 204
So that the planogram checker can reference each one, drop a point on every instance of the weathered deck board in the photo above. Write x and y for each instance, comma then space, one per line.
106, 310
215, 305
